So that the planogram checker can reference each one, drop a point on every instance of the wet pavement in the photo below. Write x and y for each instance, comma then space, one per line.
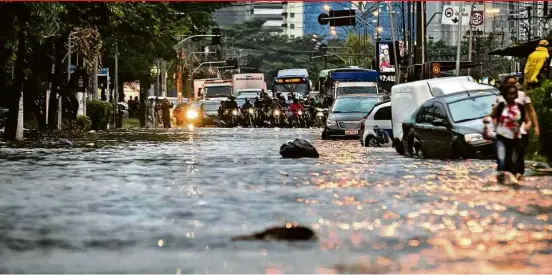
169, 202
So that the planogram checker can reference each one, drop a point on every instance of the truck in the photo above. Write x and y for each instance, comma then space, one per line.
353, 81
219, 89
253, 81
198, 86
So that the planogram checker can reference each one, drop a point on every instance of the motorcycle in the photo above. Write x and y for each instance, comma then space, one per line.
299, 119
249, 117
231, 118
320, 117
381, 137
278, 117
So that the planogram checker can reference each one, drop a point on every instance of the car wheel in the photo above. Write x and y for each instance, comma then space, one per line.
371, 142
419, 149
399, 147
325, 135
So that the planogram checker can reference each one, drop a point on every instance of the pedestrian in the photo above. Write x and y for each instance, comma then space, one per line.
166, 110
151, 112
524, 100
136, 102
534, 67
508, 118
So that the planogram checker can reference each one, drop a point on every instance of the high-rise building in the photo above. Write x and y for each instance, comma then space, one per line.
293, 16
236, 13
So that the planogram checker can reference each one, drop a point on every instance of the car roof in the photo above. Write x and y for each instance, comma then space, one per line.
463, 95
358, 95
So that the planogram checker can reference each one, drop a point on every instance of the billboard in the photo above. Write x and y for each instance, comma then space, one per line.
384, 58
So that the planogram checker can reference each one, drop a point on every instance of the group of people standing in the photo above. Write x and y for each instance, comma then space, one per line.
159, 111
513, 116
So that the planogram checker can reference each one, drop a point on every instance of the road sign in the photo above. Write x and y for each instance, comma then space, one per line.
436, 68
451, 15
477, 18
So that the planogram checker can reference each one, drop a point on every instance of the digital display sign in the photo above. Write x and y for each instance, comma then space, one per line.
290, 80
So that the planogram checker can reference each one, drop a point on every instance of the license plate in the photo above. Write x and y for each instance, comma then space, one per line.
351, 132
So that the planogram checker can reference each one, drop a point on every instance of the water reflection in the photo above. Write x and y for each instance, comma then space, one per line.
168, 200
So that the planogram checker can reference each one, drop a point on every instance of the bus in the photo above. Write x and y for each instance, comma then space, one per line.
292, 80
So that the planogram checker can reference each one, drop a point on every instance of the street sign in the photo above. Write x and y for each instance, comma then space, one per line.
451, 15
436, 69
477, 18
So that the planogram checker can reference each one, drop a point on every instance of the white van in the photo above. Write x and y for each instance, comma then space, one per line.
407, 97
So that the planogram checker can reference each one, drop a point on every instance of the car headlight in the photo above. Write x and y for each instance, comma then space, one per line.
320, 114
235, 112
251, 111
471, 138
277, 112
330, 123
300, 113
192, 114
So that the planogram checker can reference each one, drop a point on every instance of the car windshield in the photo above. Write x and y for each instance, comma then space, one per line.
288, 88
356, 90
247, 95
471, 108
354, 104
211, 107
218, 91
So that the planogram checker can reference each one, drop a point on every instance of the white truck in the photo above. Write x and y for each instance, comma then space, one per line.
252, 81
217, 90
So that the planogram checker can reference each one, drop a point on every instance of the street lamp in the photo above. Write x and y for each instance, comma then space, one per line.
327, 7
380, 29
375, 13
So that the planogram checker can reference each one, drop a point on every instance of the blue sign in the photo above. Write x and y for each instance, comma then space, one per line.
104, 71
354, 76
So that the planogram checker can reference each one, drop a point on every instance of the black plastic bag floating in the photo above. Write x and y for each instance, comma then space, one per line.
294, 233
298, 149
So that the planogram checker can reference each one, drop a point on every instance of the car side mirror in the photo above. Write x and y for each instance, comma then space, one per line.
439, 122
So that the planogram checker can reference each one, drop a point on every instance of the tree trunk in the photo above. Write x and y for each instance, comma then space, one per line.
13, 132
145, 83
56, 82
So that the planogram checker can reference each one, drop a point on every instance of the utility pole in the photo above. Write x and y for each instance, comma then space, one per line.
157, 80
394, 39
471, 37
459, 39
420, 31
116, 87
530, 19
95, 78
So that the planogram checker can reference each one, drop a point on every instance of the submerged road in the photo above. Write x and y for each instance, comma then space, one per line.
169, 202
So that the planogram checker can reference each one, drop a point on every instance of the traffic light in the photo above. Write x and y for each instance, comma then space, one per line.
216, 39
349, 20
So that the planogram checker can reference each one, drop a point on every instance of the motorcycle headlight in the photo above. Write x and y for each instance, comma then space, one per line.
192, 114
320, 114
234, 112
251, 111
330, 123
472, 138
277, 112
300, 113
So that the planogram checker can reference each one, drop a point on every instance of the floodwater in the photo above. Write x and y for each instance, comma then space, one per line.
169, 202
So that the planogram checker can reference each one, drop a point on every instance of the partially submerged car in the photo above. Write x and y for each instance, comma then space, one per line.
451, 126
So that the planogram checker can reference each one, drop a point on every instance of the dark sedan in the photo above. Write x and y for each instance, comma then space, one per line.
450, 126
346, 113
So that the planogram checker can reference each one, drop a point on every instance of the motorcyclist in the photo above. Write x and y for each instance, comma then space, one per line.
281, 99
263, 94
258, 103
247, 105
231, 104
295, 107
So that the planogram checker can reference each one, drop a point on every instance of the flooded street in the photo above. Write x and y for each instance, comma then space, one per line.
169, 202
